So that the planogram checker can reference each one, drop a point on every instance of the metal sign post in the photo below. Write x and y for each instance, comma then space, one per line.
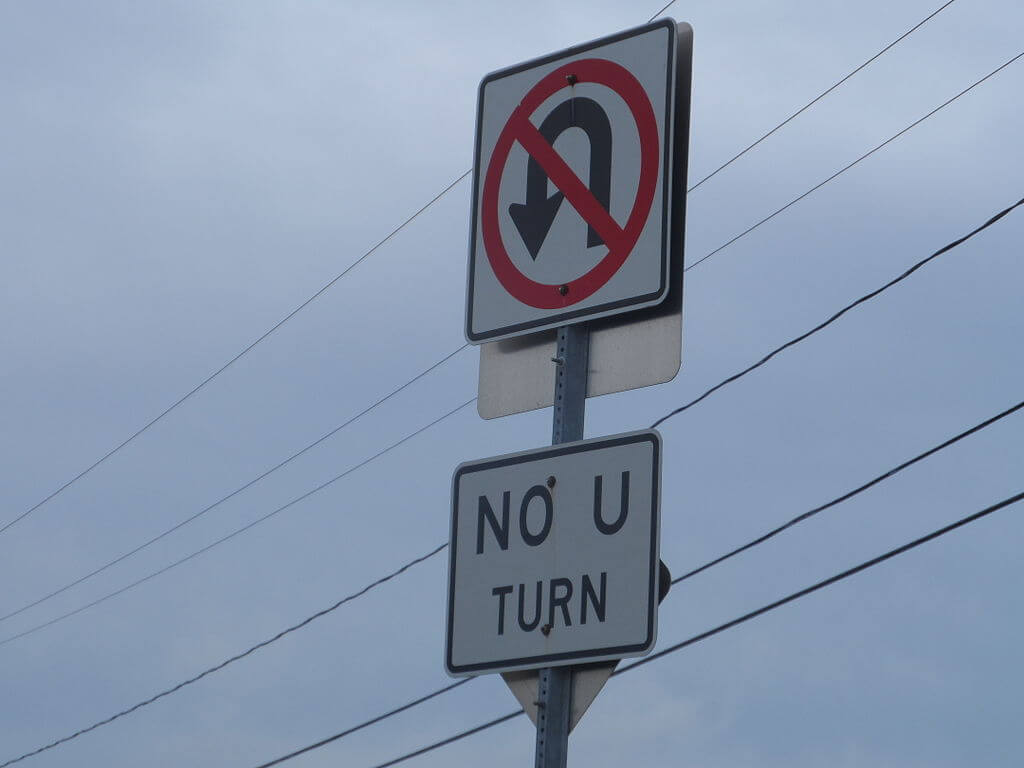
575, 254
554, 689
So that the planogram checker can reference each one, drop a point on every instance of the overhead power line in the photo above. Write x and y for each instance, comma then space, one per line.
236, 532
451, 185
995, 218
849, 495
353, 729
436, 364
234, 359
847, 167
821, 326
242, 655
663, 9
435, 551
439, 548
667, 416
450, 740
330, 433
827, 582
823, 94
692, 640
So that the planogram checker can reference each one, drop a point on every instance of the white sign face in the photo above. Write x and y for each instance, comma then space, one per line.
554, 556
572, 185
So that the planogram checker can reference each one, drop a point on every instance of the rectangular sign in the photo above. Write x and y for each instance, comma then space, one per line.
626, 352
573, 184
553, 556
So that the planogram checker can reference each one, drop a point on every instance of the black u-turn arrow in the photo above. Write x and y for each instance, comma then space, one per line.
533, 218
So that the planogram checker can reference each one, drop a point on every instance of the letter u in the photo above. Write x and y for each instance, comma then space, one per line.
523, 623
609, 528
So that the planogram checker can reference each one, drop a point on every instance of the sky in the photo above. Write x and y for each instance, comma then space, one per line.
177, 177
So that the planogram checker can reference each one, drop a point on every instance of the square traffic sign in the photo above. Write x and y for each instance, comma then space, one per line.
572, 184
553, 557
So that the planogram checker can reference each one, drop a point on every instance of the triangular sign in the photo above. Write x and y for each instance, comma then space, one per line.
587, 679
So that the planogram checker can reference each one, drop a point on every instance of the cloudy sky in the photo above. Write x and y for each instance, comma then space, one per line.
175, 178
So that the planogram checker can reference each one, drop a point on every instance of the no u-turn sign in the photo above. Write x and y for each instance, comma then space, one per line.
554, 555
572, 189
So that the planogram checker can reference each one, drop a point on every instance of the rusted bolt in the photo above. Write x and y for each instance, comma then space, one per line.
546, 630
551, 481
563, 289
571, 79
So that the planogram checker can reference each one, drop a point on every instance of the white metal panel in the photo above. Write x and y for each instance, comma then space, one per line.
490, 574
517, 374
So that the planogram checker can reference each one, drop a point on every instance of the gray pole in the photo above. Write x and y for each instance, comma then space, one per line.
554, 689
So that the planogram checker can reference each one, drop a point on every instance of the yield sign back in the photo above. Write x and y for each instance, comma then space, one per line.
572, 185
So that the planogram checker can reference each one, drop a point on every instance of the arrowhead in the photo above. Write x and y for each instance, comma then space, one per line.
533, 220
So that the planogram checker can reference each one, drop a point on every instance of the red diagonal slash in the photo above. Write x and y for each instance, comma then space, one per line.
576, 192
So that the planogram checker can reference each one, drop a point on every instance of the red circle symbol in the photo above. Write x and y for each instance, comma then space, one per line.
620, 240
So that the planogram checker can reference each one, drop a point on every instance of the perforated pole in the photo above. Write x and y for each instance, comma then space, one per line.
554, 689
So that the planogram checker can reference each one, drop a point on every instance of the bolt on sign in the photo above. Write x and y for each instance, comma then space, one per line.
572, 186
554, 555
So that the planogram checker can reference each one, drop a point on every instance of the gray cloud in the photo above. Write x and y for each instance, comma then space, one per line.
176, 178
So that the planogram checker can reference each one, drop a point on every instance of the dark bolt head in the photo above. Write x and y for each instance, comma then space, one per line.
546, 629
571, 79
563, 289
551, 481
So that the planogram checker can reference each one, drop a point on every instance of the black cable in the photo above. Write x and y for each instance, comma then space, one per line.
895, 470
850, 494
845, 168
450, 739
261, 476
234, 359
996, 218
316, 442
824, 93
862, 299
667, 416
826, 582
233, 493
236, 532
659, 421
385, 239
362, 725
435, 365
837, 315
263, 644
663, 9
723, 627
439, 548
